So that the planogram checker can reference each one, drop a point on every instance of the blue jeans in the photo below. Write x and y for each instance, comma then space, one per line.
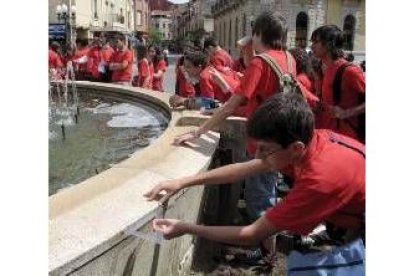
345, 260
260, 194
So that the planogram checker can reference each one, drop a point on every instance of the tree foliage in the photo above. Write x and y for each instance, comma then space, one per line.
154, 36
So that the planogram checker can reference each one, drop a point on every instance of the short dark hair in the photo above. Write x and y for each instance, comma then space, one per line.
332, 37
142, 51
272, 28
350, 57
82, 42
284, 118
120, 37
210, 41
197, 58
302, 60
55, 46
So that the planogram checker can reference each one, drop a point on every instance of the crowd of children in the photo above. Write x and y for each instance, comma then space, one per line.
313, 136
109, 60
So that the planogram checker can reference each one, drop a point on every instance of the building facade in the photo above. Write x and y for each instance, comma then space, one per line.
194, 20
142, 17
162, 21
96, 16
233, 19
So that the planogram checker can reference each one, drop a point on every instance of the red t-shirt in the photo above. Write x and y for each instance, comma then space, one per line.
157, 83
54, 60
221, 58
305, 85
259, 83
184, 88
107, 53
144, 70
94, 58
305, 81
353, 84
238, 65
80, 53
209, 88
329, 185
120, 57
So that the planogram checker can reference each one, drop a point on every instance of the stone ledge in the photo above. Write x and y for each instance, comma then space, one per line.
90, 217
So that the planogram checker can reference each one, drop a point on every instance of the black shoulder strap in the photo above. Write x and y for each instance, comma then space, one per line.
338, 81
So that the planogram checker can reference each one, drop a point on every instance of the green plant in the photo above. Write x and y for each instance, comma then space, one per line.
154, 36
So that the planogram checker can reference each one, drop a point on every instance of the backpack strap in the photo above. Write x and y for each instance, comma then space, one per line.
337, 83
272, 63
289, 61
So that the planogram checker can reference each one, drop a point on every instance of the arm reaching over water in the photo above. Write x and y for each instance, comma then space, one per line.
223, 175
226, 111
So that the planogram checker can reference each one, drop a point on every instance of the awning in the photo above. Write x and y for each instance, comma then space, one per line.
57, 31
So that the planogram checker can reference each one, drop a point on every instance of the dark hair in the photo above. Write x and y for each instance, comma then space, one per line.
55, 46
302, 60
331, 37
272, 28
350, 57
210, 41
158, 55
197, 58
120, 37
82, 42
284, 118
142, 52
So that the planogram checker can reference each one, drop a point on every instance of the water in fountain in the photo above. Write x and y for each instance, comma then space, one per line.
89, 134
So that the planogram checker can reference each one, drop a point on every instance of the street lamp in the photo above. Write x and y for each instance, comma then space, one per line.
68, 16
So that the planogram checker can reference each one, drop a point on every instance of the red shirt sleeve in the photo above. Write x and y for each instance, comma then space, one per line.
303, 208
162, 66
128, 57
59, 62
251, 78
309, 96
143, 68
206, 85
354, 79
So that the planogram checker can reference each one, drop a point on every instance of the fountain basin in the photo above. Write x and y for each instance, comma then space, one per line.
89, 223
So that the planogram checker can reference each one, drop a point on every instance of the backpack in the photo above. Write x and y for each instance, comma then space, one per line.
287, 82
337, 92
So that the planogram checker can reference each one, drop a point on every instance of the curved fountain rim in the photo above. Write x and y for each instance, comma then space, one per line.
75, 211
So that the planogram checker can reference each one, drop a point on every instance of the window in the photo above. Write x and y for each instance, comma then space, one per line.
95, 9
224, 33
349, 32
301, 30
229, 45
139, 18
163, 25
244, 25
236, 31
